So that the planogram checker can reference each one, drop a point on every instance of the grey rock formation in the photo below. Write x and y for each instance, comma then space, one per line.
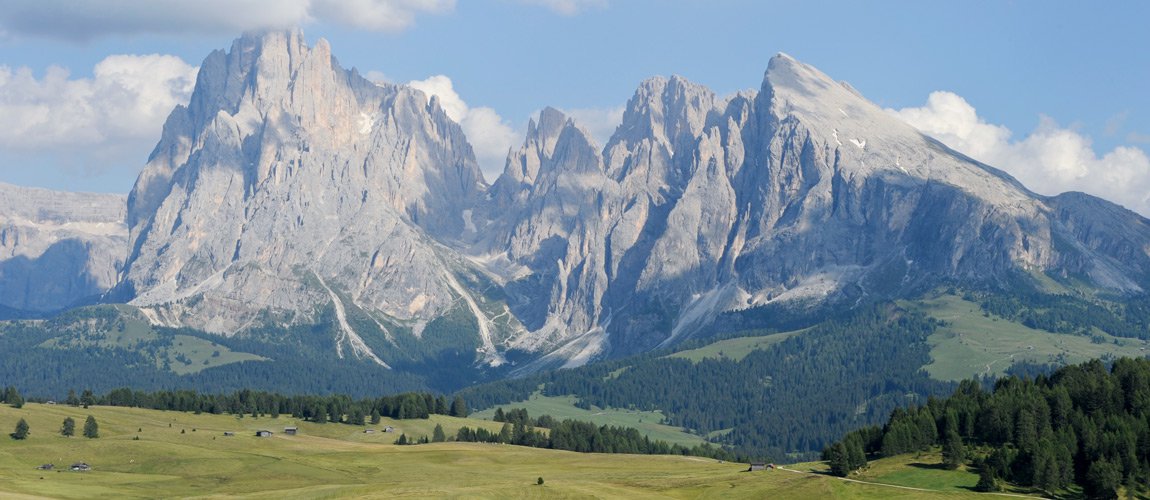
289, 187
803, 192
58, 249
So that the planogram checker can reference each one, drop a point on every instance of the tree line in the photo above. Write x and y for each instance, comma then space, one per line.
1084, 426
319, 409
585, 437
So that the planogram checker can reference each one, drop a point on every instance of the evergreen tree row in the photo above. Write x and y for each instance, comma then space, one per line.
585, 437
334, 408
1084, 426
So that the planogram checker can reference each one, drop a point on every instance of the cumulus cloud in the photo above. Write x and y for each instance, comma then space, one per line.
490, 136
128, 97
568, 7
1051, 160
73, 20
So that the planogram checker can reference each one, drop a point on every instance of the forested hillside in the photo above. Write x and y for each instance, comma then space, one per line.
1083, 427
788, 401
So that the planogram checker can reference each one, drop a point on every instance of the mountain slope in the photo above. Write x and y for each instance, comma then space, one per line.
803, 192
58, 249
289, 185
292, 192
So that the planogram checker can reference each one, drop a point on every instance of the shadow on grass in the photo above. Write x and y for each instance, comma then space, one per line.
920, 465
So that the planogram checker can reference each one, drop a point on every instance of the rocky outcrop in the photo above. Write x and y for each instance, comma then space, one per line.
289, 185
291, 191
801, 192
58, 249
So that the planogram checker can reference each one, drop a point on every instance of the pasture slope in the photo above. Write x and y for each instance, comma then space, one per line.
186, 455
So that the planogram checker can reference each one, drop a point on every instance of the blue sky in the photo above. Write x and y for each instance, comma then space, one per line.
1053, 92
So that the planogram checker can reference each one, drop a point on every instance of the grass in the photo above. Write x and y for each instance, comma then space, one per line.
186, 455
184, 354
734, 349
974, 344
202, 354
563, 407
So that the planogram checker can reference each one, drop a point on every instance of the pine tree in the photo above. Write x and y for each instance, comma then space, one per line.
87, 398
499, 416
21, 431
459, 407
375, 416
69, 427
953, 451
836, 457
13, 397
91, 428
856, 453
72, 399
402, 439
505, 433
438, 436
986, 481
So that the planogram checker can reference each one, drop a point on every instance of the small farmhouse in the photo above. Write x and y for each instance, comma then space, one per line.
757, 466
263, 434
81, 466
291, 431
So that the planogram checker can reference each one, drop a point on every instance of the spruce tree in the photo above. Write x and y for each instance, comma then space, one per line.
855, 451
21, 431
837, 459
69, 427
438, 436
986, 481
458, 407
953, 451
91, 428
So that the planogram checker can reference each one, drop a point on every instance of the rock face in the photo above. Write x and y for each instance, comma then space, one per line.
801, 192
289, 188
58, 249
289, 184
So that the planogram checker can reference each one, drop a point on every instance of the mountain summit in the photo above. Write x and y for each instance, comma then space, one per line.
289, 186
293, 192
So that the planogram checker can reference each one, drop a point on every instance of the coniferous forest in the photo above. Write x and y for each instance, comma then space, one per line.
785, 403
1084, 427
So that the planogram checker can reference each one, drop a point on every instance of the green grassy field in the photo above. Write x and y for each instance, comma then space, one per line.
734, 349
974, 344
186, 455
563, 407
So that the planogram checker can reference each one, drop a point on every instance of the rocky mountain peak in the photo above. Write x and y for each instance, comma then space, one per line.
668, 109
290, 183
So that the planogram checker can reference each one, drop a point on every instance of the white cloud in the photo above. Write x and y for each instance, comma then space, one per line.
568, 7
490, 136
1050, 160
128, 97
90, 19
599, 122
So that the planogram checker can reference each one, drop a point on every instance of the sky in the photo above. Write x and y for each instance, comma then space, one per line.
1053, 92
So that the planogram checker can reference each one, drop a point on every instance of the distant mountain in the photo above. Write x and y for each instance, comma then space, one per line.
57, 249
292, 192
802, 193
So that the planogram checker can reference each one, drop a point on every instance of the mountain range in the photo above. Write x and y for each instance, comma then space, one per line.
291, 192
